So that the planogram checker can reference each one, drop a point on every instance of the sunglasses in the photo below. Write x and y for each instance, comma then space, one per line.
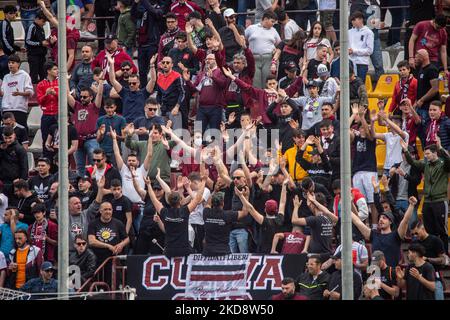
81, 243
48, 271
109, 107
231, 17
98, 160
126, 69
84, 97
165, 62
237, 178
132, 83
152, 109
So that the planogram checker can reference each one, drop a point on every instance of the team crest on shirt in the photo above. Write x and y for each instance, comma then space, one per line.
105, 234
82, 115
76, 229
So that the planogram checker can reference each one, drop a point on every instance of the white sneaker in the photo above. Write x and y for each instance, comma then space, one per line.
87, 35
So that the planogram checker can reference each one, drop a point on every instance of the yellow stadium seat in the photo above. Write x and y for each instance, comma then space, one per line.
380, 152
442, 89
2, 15
373, 104
419, 148
385, 86
369, 86
419, 209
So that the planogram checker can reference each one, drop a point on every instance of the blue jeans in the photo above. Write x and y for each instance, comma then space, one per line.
361, 71
403, 205
239, 241
439, 291
242, 7
27, 17
210, 117
144, 56
85, 151
376, 57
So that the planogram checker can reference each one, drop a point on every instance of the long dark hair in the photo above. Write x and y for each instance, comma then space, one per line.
297, 40
323, 33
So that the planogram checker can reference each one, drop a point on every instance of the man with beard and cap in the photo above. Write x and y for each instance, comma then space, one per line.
115, 52
385, 238
84, 119
288, 291
388, 288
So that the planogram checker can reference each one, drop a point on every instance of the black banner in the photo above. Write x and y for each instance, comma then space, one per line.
161, 278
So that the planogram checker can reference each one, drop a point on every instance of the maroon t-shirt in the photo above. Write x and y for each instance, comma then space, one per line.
84, 118
294, 243
430, 39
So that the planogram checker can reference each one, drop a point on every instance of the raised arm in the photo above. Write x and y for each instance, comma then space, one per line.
151, 84
365, 230
334, 219
295, 219
141, 192
403, 227
119, 160
276, 238
112, 75
99, 95
190, 42
282, 206
259, 218
149, 155
177, 139
392, 124
214, 32
198, 196
162, 183
156, 203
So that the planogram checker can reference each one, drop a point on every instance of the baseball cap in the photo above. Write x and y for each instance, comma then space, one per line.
229, 12
388, 215
110, 37
322, 70
84, 177
47, 265
291, 66
312, 83
10, 9
271, 207
377, 256
337, 256
156, 185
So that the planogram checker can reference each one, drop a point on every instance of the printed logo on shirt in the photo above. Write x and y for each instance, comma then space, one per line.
82, 115
41, 191
12, 84
76, 229
119, 208
361, 146
106, 234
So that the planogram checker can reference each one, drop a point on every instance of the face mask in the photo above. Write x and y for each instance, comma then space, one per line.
198, 142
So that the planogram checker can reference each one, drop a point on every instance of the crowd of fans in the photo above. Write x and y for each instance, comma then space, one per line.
223, 136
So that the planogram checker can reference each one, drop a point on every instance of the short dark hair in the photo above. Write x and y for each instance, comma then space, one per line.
320, 46
151, 100
8, 115
110, 102
8, 131
79, 237
307, 183
327, 104
194, 176
357, 15
10, 9
316, 257
436, 103
281, 14
417, 248
99, 151
320, 197
23, 232
21, 184
116, 183
14, 58
336, 184
49, 65
181, 35
416, 224
91, 93
97, 71
194, 15
269, 14
38, 207
440, 20
171, 15
157, 127
403, 64
287, 280
432, 147
271, 77
126, 63
46, 160
325, 123
41, 16
298, 133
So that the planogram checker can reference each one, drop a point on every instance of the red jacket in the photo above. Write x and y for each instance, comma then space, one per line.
48, 102
182, 10
119, 56
398, 90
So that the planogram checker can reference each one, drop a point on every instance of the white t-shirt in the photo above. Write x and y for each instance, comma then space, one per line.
393, 149
127, 182
196, 216
99, 173
261, 40
311, 47
290, 28
2, 261
20, 81
3, 206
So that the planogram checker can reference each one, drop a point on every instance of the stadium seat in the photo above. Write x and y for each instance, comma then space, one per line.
36, 146
442, 89
34, 119
386, 60
369, 86
25, 66
400, 57
30, 158
385, 86
380, 152
19, 31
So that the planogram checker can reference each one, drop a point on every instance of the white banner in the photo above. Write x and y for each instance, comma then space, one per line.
215, 277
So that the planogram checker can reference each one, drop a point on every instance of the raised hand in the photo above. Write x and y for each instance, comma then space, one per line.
415, 273
129, 129
101, 183
186, 74
399, 272
310, 140
188, 28
102, 129
400, 172
412, 201
154, 58
227, 72
113, 133
294, 124
231, 117
438, 142
375, 184
297, 202
165, 142
209, 23
147, 181
404, 145
385, 181
158, 172
355, 108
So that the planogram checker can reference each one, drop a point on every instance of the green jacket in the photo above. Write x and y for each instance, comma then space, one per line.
160, 159
126, 29
435, 176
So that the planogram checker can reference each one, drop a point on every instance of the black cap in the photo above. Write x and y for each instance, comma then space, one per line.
110, 37
10, 9
336, 256
291, 66
84, 177
312, 83
388, 215
156, 185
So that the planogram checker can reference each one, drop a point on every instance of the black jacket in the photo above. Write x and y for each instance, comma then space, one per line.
7, 38
151, 22
86, 261
33, 40
336, 283
334, 155
319, 172
305, 285
282, 123
13, 163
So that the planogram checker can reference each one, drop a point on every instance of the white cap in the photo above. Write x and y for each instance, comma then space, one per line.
322, 70
229, 12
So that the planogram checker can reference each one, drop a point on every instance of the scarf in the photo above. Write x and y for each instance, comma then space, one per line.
432, 131
38, 234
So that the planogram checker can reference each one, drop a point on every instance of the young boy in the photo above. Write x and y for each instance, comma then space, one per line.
406, 87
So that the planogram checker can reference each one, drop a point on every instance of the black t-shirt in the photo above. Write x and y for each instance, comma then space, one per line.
424, 77
312, 68
237, 205
229, 41
120, 207
365, 157
434, 247
176, 222
389, 244
321, 234
41, 186
71, 131
389, 278
420, 10
21, 134
24, 207
269, 227
112, 232
85, 198
217, 230
414, 289
335, 283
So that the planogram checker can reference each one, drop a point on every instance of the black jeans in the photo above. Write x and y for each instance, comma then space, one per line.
435, 216
103, 9
46, 123
144, 56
